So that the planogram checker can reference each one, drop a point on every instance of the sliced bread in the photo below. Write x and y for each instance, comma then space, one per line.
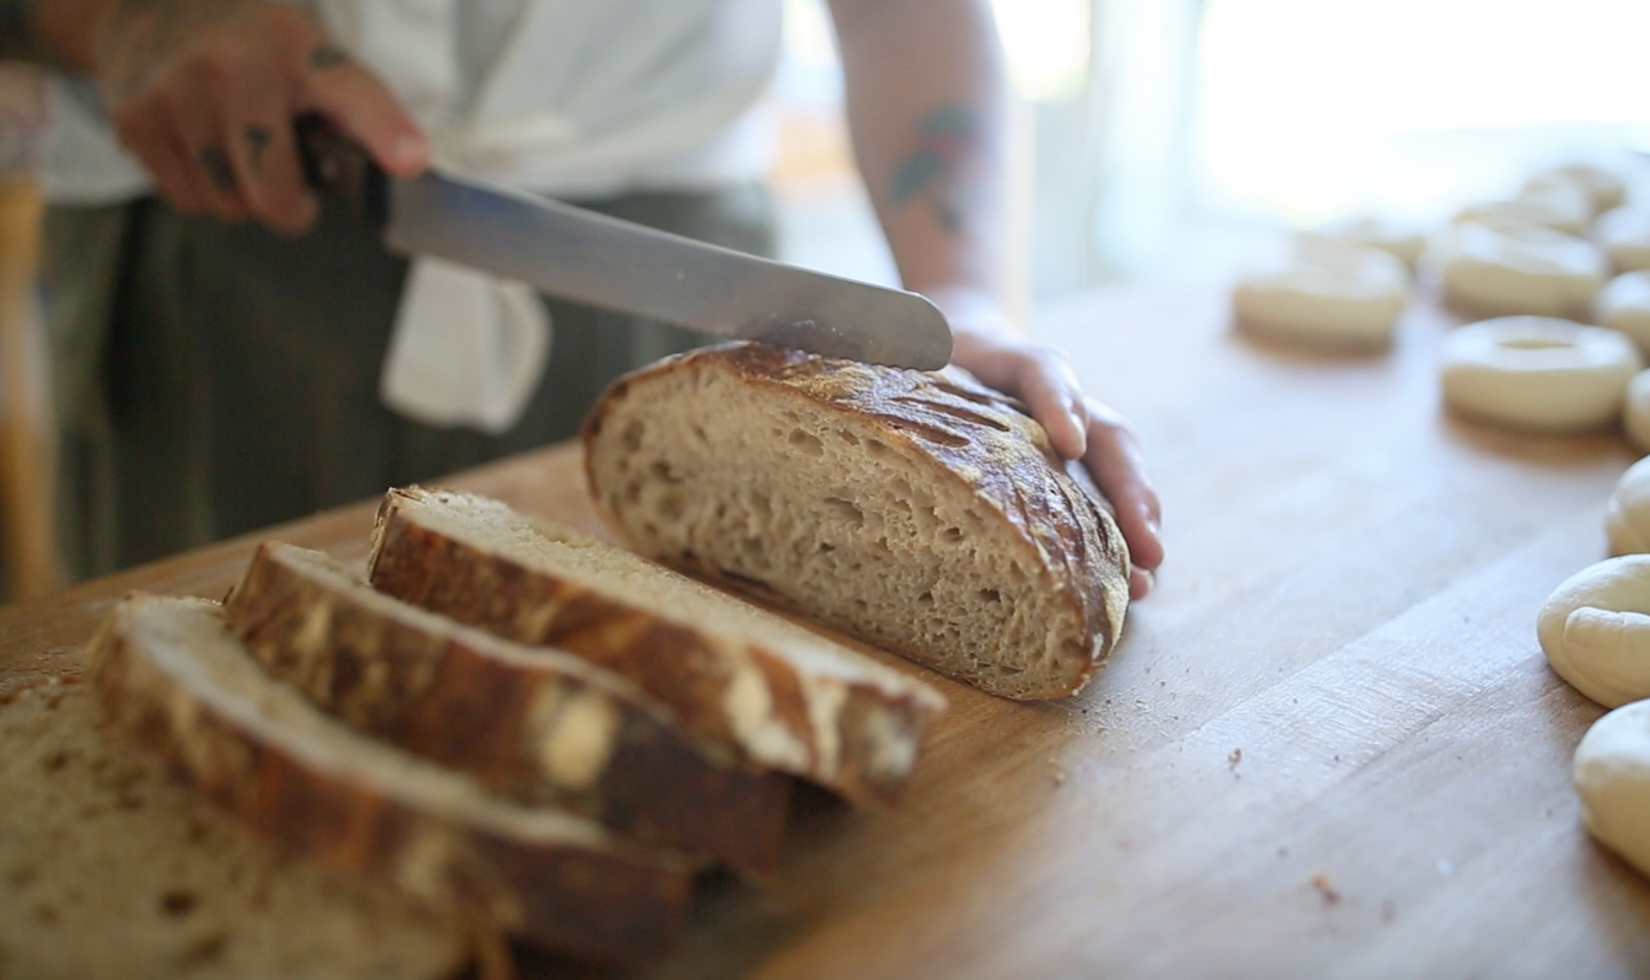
922, 512
111, 871
783, 696
533, 723
171, 672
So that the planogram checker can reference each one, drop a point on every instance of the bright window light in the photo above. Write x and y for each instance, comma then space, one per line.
1046, 44
1298, 97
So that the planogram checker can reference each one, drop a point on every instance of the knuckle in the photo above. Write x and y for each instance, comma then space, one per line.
167, 103
287, 24
217, 69
132, 131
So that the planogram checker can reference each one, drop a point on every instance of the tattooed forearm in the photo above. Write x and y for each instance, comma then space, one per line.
946, 138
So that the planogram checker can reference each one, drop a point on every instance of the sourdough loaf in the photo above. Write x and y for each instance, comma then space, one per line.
921, 512
111, 871
781, 695
171, 672
533, 723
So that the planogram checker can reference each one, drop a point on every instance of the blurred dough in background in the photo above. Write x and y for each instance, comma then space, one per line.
1612, 775
1537, 373
1595, 630
1400, 239
1499, 267
1635, 411
1624, 234
1561, 205
1329, 296
1627, 518
1624, 304
1603, 186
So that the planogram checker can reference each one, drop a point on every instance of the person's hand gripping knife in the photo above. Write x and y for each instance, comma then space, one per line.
204, 93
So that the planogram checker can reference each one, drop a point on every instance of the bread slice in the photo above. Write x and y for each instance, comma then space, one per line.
171, 672
533, 723
784, 697
922, 512
111, 871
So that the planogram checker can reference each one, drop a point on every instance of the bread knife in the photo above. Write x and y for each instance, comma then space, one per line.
590, 258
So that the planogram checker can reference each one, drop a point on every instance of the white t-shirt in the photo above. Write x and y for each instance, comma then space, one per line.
566, 97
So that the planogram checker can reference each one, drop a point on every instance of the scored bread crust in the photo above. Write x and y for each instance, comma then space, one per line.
779, 695
1042, 515
170, 672
533, 723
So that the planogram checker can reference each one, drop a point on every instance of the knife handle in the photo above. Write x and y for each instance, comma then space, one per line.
335, 163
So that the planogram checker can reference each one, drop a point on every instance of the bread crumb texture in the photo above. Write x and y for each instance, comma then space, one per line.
782, 695
109, 869
922, 512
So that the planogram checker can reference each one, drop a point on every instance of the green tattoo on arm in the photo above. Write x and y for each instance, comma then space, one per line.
945, 138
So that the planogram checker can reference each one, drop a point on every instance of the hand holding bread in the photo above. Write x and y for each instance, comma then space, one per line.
1079, 426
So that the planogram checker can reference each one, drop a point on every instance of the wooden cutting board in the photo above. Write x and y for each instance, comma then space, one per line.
1329, 745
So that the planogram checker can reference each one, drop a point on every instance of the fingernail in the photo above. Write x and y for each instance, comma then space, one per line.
410, 150
305, 213
1082, 435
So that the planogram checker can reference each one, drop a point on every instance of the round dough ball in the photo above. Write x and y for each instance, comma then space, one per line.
1561, 205
1605, 189
1595, 630
1517, 267
1402, 241
1329, 296
1624, 304
1636, 411
1612, 776
1624, 235
1627, 518
1538, 373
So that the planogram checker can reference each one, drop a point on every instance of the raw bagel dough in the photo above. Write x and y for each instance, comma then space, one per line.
1516, 267
1604, 188
1595, 630
1624, 304
1627, 519
1330, 295
1403, 241
1636, 411
1612, 776
1561, 205
1624, 234
1530, 372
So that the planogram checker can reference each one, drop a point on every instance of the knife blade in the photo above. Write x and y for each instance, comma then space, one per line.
580, 255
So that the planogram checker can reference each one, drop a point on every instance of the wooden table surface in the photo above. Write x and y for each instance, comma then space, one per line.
1328, 746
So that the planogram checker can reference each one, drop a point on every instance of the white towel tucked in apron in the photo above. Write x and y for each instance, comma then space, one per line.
578, 89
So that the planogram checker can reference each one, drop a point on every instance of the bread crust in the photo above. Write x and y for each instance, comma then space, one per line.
974, 437
855, 730
589, 897
537, 725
